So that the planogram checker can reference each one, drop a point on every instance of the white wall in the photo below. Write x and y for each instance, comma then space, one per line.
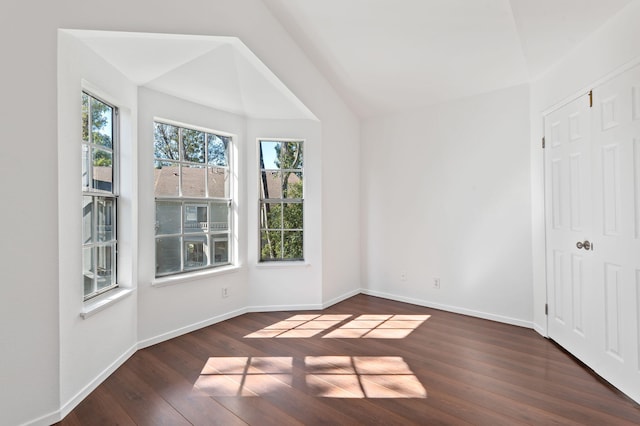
176, 306
29, 330
287, 285
447, 194
611, 47
35, 338
89, 346
341, 197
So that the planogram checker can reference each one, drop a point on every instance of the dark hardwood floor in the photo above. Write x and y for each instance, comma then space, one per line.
363, 361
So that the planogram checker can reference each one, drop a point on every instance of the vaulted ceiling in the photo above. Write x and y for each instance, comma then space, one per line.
382, 56
389, 55
219, 72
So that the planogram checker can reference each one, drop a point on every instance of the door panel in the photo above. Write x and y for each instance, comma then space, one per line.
592, 184
568, 201
616, 205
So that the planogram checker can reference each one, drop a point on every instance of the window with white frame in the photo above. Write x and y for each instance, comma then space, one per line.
281, 200
192, 198
99, 195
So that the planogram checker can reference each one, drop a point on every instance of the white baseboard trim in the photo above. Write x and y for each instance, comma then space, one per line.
540, 330
307, 307
189, 328
46, 420
91, 386
449, 308
272, 308
341, 298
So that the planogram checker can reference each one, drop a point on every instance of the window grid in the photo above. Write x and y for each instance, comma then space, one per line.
193, 203
99, 187
281, 203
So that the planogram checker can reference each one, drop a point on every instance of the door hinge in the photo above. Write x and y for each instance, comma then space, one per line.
543, 142
546, 309
590, 98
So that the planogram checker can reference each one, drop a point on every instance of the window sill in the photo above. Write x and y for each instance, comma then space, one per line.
282, 264
193, 276
93, 306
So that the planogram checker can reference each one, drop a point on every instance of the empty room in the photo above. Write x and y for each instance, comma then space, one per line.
276, 212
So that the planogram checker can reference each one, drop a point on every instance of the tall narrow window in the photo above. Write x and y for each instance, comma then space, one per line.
193, 201
99, 200
281, 200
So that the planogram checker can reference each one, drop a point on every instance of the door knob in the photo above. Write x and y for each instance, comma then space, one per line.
586, 245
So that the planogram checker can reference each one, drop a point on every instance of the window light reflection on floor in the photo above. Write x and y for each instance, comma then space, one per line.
245, 376
319, 376
368, 326
361, 377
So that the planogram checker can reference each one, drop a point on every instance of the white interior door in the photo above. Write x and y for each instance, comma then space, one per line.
592, 184
616, 229
569, 221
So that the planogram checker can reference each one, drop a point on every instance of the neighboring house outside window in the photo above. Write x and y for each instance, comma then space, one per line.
281, 200
192, 199
99, 201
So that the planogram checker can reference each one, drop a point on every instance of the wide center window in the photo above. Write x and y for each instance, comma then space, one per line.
193, 198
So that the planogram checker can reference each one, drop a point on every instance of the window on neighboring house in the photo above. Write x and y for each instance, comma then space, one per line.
99, 190
281, 200
193, 201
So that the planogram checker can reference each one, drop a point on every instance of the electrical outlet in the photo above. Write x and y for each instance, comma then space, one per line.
225, 292
436, 283
403, 276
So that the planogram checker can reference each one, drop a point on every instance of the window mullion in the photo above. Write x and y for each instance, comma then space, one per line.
180, 160
182, 208
282, 229
94, 245
90, 146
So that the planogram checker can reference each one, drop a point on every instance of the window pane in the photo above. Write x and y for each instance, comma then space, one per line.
87, 220
88, 270
218, 150
104, 266
269, 155
291, 155
101, 124
105, 215
193, 143
195, 252
166, 178
195, 218
271, 185
85, 117
86, 166
167, 255
292, 215
292, 245
270, 245
270, 216
168, 216
220, 248
219, 220
166, 144
102, 170
218, 182
193, 181
292, 185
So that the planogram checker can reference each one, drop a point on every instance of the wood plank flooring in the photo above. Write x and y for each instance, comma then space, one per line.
363, 361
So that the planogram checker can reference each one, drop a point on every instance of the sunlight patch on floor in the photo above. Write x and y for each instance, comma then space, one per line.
361, 377
386, 326
319, 376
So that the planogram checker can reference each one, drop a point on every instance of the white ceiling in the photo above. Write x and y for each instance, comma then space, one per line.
220, 72
382, 56
389, 55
